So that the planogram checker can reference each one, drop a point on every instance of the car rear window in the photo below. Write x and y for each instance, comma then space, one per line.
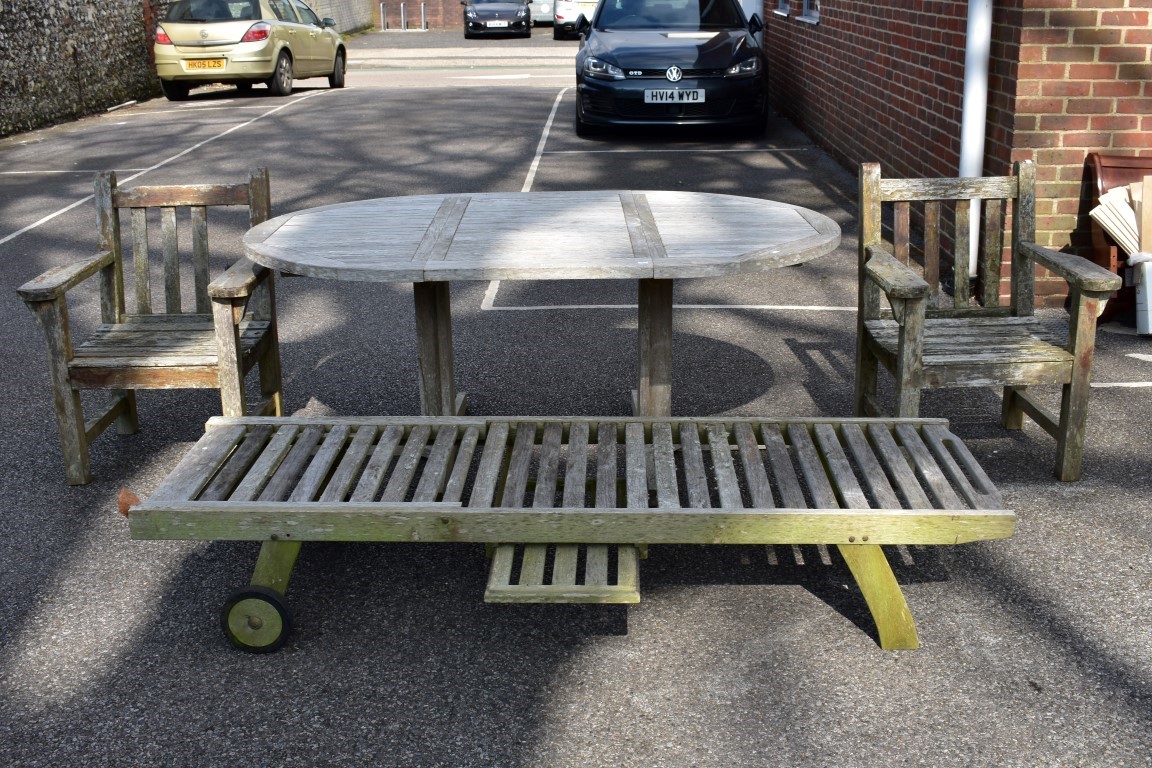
213, 10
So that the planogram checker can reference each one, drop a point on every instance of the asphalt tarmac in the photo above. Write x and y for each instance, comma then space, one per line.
1036, 650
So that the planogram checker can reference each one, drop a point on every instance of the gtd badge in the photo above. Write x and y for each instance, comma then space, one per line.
674, 74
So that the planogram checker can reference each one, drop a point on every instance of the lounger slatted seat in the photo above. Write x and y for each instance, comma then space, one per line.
568, 505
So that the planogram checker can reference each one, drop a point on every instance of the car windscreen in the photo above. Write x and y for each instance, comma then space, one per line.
684, 15
213, 10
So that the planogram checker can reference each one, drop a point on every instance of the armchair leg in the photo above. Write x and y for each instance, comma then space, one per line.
1011, 414
271, 388
866, 375
1070, 437
128, 422
73, 437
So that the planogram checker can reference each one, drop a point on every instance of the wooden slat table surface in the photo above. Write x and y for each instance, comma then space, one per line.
651, 237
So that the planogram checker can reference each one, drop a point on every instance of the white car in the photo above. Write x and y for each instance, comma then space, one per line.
567, 12
541, 11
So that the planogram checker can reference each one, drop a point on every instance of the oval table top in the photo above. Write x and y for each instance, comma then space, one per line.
542, 236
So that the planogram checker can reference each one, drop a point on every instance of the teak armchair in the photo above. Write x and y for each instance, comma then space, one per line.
924, 344
197, 336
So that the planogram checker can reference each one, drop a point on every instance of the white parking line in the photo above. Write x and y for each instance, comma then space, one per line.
161, 164
543, 141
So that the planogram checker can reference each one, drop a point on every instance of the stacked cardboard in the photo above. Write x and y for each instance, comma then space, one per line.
1122, 213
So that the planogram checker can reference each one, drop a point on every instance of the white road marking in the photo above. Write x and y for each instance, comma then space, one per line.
161, 164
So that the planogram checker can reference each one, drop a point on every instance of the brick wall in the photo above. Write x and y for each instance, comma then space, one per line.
883, 81
1082, 86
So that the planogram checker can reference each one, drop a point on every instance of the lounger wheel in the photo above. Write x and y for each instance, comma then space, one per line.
256, 619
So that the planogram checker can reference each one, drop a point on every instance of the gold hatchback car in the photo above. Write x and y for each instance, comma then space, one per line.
245, 42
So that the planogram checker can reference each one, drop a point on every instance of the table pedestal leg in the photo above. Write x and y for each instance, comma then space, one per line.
434, 349
654, 396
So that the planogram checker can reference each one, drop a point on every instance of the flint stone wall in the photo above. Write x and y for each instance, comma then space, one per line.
64, 59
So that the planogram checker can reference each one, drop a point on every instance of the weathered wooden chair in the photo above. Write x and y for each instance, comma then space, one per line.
925, 344
210, 336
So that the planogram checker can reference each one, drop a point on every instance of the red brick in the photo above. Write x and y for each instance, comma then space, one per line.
1045, 36
1038, 140
1064, 122
1114, 122
1078, 19
1137, 140
1086, 139
1138, 36
1059, 156
1124, 19
1091, 72
1117, 88
1041, 106
1140, 72
1123, 54
1067, 88
1134, 106
1057, 71
1093, 36
1090, 106
1078, 53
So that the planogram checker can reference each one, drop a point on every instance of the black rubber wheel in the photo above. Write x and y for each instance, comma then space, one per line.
256, 619
281, 81
336, 79
174, 91
583, 129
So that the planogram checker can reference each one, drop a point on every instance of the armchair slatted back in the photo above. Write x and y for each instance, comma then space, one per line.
112, 202
930, 221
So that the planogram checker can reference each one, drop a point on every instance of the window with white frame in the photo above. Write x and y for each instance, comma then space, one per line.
811, 10
783, 7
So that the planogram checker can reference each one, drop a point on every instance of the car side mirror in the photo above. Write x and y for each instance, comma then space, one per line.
463, 2
755, 25
583, 26
328, 22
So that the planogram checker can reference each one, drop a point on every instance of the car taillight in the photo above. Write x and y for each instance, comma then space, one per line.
257, 32
162, 37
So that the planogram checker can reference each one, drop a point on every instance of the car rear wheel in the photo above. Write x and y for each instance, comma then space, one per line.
281, 81
336, 79
174, 91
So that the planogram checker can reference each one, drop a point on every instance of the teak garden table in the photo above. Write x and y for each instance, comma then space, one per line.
651, 237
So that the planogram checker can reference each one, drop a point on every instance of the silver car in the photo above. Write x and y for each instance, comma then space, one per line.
245, 42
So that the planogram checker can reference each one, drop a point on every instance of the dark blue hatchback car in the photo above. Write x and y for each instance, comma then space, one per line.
671, 62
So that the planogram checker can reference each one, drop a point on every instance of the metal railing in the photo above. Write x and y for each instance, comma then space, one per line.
403, 17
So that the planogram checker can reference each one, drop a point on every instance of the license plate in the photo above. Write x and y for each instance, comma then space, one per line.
191, 64
497, 24
675, 96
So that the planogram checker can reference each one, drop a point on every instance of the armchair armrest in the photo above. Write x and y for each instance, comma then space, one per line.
56, 281
239, 280
1079, 272
895, 279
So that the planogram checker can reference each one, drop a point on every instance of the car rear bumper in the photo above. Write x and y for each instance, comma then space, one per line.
249, 65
